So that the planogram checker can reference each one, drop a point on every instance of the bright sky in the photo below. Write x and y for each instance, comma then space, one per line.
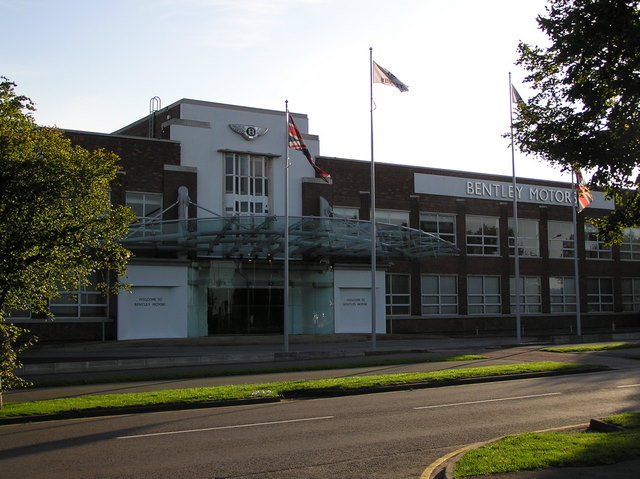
95, 65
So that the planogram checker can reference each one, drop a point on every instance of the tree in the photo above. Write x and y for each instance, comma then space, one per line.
11, 346
57, 224
586, 112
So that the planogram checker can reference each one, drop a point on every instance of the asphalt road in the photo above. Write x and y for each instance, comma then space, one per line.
387, 435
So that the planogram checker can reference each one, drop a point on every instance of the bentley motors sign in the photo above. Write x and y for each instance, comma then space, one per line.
501, 190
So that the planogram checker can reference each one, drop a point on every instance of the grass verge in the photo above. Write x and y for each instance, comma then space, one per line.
532, 451
590, 348
274, 389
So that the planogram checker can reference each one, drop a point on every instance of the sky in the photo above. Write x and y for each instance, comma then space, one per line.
94, 66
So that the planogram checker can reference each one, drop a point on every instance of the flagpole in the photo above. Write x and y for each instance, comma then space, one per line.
372, 215
576, 268
286, 233
515, 220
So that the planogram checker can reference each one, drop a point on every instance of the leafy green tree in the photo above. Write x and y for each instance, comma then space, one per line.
57, 224
12, 344
586, 112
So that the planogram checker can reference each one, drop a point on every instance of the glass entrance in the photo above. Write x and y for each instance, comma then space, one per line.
245, 310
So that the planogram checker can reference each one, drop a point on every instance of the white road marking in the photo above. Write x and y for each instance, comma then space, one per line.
629, 386
488, 400
236, 426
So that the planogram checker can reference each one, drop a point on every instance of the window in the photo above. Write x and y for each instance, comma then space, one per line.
346, 212
600, 294
246, 184
392, 217
530, 294
443, 226
528, 239
83, 302
482, 235
148, 210
398, 296
483, 294
562, 291
630, 246
439, 294
594, 247
561, 244
630, 294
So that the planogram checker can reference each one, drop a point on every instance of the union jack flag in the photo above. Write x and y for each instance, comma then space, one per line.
585, 197
297, 143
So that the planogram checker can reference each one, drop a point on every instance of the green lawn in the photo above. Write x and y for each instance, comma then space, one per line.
532, 451
590, 348
275, 389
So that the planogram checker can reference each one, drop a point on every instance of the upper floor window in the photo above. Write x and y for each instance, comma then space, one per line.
560, 236
594, 247
528, 239
441, 225
145, 206
483, 235
246, 184
630, 246
148, 210
392, 217
346, 212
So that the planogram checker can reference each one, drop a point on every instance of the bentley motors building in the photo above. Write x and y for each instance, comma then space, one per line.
207, 184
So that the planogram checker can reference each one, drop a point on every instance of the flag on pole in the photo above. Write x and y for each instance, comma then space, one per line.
585, 197
384, 76
297, 143
515, 96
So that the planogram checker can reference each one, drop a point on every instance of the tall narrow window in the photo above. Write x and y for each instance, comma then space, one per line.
528, 240
441, 225
630, 294
560, 236
246, 184
600, 294
530, 294
398, 297
563, 294
483, 235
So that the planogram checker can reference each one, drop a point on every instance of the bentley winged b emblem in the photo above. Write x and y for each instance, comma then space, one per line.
248, 132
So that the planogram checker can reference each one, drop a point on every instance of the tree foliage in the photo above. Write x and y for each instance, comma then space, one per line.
586, 112
57, 224
12, 343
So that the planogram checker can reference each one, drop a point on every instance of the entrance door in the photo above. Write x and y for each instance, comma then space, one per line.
245, 310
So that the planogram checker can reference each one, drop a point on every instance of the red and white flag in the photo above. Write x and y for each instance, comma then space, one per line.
297, 143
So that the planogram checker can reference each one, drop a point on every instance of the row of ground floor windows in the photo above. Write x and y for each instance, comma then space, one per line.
439, 294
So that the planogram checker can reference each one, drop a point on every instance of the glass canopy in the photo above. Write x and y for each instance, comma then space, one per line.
263, 237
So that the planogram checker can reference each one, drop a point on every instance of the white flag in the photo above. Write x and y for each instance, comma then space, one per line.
384, 76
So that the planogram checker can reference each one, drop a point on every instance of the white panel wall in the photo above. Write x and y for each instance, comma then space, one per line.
352, 293
156, 306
